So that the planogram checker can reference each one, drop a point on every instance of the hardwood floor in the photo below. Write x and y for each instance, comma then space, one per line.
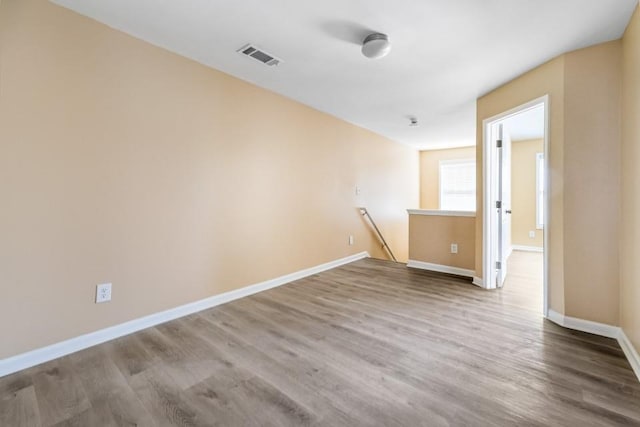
523, 284
369, 343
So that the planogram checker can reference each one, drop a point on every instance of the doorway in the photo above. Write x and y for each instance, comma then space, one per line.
526, 125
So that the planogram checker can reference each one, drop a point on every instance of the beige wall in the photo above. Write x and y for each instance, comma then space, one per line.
592, 182
630, 198
121, 162
431, 236
584, 92
523, 192
545, 79
430, 173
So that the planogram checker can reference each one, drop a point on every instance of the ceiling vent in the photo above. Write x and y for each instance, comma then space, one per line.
258, 54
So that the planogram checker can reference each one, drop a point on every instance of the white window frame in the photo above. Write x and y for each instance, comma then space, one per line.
440, 187
540, 176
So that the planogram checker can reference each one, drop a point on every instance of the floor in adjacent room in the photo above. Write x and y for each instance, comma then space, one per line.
524, 282
369, 343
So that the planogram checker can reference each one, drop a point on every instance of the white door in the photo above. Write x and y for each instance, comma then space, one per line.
500, 182
504, 195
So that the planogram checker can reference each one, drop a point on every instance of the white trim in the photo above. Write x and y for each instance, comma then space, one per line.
601, 329
478, 281
436, 212
487, 259
527, 248
459, 161
45, 354
539, 159
629, 350
547, 203
582, 325
556, 317
440, 268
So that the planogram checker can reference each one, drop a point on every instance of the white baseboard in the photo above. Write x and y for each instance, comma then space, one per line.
45, 354
478, 281
584, 325
556, 317
629, 350
603, 330
509, 251
527, 248
440, 268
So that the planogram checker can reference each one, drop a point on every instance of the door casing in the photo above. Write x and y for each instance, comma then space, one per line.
489, 175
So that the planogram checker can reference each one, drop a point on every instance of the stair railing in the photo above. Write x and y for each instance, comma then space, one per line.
366, 213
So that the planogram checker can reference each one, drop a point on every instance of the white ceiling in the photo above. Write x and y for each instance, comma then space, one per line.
445, 53
526, 125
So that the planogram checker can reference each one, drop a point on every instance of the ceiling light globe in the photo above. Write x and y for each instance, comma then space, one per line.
376, 45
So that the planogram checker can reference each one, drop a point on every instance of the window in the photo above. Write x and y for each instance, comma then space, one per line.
458, 185
539, 190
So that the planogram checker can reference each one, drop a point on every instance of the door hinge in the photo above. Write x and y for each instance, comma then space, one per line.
498, 265
498, 204
499, 143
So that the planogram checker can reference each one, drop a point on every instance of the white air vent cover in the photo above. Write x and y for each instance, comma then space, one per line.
258, 54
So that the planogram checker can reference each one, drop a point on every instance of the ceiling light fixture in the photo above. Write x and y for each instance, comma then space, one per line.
376, 45
413, 121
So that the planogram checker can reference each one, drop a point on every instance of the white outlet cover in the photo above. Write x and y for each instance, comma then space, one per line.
532, 234
351, 240
103, 293
454, 248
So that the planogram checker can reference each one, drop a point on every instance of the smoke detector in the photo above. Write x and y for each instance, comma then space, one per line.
254, 52
376, 45
413, 122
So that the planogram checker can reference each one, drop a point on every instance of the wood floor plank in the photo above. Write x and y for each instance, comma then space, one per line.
250, 401
363, 374
323, 381
311, 387
409, 335
19, 408
131, 355
113, 402
60, 392
164, 399
428, 367
90, 417
369, 343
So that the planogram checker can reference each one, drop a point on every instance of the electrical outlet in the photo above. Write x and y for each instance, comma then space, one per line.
103, 293
532, 234
351, 240
357, 190
454, 248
